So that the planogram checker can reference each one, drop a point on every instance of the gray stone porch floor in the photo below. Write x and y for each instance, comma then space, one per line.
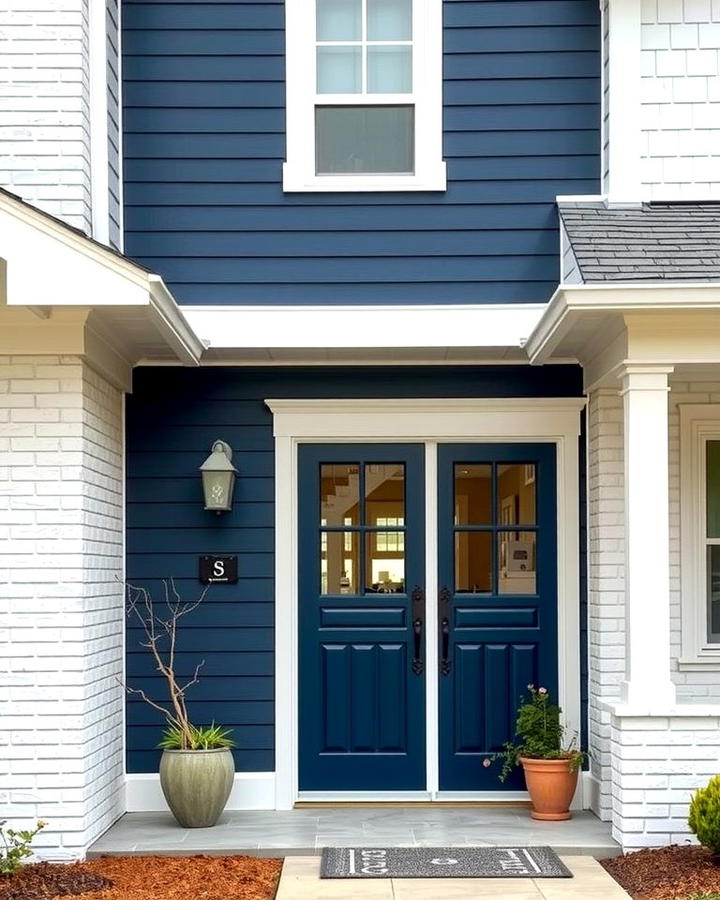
305, 831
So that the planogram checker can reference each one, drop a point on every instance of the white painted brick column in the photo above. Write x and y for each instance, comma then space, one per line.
61, 600
606, 582
658, 763
647, 536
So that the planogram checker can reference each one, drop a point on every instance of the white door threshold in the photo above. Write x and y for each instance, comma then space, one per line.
409, 797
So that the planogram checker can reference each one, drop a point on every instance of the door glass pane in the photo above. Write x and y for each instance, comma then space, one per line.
339, 494
364, 139
473, 494
339, 20
339, 562
516, 494
389, 70
473, 562
713, 489
339, 70
385, 562
384, 494
389, 20
516, 562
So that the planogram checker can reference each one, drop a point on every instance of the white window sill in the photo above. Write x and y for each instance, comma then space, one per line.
703, 662
296, 181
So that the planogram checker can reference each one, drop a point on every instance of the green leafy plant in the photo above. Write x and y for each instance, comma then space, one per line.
160, 623
15, 846
203, 737
704, 817
539, 734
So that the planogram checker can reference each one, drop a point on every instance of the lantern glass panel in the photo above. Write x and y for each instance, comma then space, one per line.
217, 487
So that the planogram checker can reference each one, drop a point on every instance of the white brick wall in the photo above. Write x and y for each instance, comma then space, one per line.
680, 98
606, 585
657, 764
46, 108
61, 600
645, 768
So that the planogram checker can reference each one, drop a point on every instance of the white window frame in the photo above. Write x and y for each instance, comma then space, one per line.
699, 423
301, 99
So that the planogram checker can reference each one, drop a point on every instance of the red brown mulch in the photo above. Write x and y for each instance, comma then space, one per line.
148, 878
666, 873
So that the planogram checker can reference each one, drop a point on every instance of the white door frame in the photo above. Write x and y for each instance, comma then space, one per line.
428, 422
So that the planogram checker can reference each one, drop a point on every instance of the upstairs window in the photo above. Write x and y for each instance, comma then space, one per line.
364, 95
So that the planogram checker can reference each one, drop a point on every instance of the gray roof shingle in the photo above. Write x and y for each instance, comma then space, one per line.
652, 242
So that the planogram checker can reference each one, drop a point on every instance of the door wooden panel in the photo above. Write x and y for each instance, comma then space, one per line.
498, 600
361, 651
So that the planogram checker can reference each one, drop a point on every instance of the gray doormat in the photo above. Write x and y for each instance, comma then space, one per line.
441, 862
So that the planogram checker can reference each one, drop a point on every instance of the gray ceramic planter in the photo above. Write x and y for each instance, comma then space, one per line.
197, 784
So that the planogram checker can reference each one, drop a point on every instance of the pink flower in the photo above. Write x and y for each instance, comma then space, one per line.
542, 690
487, 763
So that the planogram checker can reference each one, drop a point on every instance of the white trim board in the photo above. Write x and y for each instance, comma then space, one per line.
364, 327
251, 790
555, 420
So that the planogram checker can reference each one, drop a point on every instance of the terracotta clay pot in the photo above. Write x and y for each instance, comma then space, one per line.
551, 785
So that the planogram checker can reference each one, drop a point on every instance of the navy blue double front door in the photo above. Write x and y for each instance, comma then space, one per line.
364, 616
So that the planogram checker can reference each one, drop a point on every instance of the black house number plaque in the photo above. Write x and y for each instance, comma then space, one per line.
218, 569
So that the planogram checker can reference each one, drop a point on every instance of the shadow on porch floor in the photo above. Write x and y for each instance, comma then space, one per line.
305, 832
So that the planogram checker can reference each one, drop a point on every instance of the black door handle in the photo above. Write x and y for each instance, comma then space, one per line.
445, 632
418, 602
444, 608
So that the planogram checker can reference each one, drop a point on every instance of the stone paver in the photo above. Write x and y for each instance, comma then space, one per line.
301, 881
306, 831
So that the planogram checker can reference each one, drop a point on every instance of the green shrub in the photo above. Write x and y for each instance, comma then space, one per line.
704, 817
15, 846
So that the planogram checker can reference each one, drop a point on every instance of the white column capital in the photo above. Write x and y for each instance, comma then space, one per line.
644, 377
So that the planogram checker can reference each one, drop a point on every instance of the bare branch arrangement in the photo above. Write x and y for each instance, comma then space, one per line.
160, 625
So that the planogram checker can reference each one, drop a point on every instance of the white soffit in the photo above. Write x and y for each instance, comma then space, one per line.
49, 266
445, 329
577, 314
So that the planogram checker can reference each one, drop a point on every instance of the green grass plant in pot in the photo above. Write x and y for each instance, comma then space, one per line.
196, 768
551, 768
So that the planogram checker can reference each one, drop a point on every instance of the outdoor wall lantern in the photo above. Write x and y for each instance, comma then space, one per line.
218, 478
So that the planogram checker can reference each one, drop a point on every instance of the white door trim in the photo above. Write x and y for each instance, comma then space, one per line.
483, 420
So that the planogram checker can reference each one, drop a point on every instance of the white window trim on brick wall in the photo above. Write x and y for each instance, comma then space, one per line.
698, 423
299, 168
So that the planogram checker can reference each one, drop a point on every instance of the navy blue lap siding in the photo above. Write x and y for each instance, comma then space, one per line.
204, 142
173, 416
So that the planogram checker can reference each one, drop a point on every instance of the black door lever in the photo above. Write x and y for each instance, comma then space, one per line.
418, 602
444, 608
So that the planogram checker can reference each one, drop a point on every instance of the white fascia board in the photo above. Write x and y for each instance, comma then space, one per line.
569, 301
355, 327
172, 323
